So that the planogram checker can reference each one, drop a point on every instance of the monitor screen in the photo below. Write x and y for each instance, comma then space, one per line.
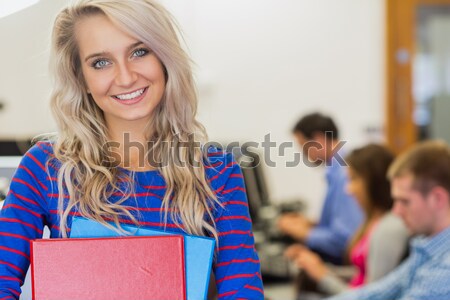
253, 171
8, 165
14, 147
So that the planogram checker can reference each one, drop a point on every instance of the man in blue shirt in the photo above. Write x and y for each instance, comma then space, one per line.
421, 191
341, 216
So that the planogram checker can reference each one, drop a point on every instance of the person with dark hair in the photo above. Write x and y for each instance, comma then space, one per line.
372, 258
318, 137
312, 124
420, 181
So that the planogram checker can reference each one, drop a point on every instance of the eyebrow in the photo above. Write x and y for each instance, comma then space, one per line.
106, 53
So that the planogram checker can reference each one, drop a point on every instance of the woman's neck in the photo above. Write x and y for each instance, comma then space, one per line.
129, 147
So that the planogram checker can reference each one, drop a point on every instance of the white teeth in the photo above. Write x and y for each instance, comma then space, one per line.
130, 96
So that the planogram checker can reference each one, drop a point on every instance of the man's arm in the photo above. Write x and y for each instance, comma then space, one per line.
343, 218
389, 287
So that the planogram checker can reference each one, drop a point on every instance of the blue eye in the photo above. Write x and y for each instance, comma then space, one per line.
140, 52
100, 64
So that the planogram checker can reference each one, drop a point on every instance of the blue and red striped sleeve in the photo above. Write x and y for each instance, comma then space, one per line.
236, 268
22, 219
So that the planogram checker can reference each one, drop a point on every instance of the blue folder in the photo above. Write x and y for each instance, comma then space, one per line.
199, 251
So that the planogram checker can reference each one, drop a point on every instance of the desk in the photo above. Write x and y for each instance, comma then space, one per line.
279, 291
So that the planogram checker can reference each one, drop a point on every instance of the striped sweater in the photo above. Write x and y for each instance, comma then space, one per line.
33, 200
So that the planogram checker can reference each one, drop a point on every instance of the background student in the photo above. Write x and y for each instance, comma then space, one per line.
318, 137
380, 242
420, 181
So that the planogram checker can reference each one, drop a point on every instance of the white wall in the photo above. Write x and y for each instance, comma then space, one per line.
261, 64
24, 81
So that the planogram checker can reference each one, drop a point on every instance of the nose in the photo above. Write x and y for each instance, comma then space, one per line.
125, 75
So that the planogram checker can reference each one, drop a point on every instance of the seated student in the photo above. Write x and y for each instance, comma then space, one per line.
369, 185
421, 190
318, 136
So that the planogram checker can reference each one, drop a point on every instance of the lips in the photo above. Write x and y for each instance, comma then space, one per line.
132, 97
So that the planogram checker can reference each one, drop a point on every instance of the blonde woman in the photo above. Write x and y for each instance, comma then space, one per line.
125, 104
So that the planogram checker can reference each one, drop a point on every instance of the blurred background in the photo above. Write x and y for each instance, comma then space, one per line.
380, 68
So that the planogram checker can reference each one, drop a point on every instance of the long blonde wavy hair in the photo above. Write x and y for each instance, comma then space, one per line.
86, 173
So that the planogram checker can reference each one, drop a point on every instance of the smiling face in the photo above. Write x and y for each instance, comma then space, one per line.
123, 76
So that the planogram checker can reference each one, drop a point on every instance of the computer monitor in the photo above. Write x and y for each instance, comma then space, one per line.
8, 166
14, 147
253, 171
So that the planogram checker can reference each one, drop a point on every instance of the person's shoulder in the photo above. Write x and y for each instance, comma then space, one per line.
220, 166
440, 266
391, 223
41, 151
36, 160
444, 244
390, 230
446, 259
45, 147
218, 160
336, 170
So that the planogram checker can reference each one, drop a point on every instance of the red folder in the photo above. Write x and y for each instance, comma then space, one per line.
108, 268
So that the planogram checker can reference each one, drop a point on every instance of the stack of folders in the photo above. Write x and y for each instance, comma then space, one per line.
109, 268
198, 251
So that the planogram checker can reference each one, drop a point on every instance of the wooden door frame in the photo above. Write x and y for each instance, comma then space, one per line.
401, 131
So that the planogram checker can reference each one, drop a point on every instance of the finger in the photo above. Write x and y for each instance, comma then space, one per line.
280, 223
291, 251
301, 262
301, 248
